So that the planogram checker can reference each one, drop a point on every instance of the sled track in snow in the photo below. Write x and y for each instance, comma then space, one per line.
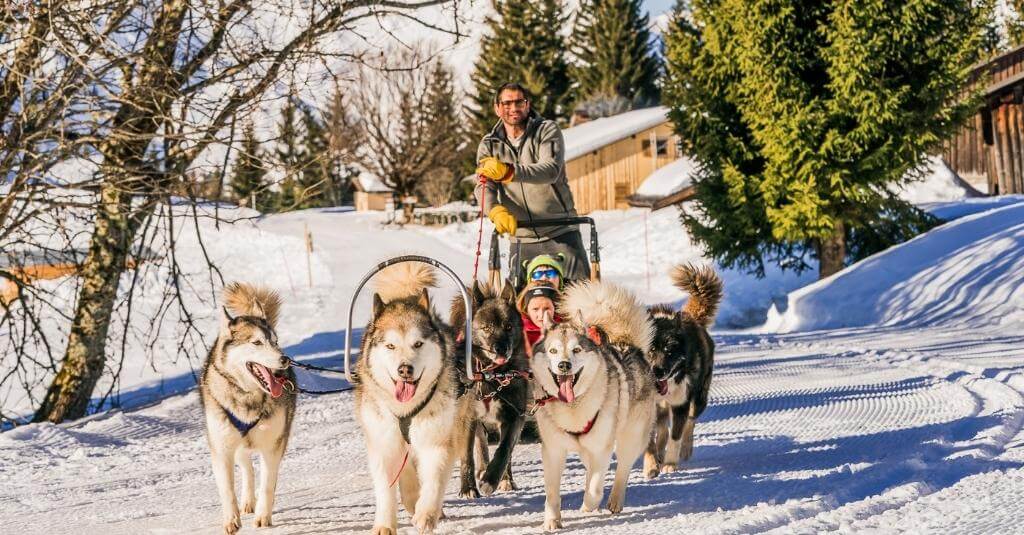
804, 433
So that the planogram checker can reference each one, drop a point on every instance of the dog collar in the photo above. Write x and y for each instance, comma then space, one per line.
405, 421
538, 403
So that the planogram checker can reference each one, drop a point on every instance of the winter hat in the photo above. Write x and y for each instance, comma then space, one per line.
536, 289
547, 260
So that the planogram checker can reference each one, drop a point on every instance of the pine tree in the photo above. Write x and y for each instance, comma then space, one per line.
524, 46
314, 177
289, 156
805, 115
248, 172
615, 59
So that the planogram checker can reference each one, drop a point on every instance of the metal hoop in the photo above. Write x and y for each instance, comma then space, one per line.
398, 260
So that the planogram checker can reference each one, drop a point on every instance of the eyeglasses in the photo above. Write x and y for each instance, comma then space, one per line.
539, 274
518, 103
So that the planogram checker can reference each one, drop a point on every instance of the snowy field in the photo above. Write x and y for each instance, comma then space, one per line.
888, 398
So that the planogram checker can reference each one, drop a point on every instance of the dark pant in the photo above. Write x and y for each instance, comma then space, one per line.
570, 244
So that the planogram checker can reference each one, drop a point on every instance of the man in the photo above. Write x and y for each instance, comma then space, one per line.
523, 160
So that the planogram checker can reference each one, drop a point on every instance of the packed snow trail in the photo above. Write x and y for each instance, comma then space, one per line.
808, 433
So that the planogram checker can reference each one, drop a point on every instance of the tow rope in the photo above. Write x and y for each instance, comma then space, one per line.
480, 233
291, 387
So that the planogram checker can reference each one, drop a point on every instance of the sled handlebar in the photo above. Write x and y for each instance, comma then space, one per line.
494, 257
467, 302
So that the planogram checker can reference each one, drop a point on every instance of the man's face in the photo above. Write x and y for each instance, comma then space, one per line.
512, 107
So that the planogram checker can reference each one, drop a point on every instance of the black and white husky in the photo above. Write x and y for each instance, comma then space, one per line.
682, 357
247, 393
594, 391
409, 399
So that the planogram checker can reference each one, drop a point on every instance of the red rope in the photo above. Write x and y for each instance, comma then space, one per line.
480, 233
400, 468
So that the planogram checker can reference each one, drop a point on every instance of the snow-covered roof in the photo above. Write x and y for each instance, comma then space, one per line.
370, 183
669, 179
595, 134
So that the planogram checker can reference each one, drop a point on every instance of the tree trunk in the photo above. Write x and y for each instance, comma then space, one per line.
832, 252
69, 394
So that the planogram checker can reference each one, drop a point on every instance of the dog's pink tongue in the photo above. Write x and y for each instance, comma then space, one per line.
565, 392
276, 386
404, 391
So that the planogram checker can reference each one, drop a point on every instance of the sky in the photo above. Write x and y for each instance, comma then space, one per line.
657, 7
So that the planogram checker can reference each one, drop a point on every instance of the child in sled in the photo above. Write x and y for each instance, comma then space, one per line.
537, 300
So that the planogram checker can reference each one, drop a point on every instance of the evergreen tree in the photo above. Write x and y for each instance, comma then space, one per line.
248, 172
615, 59
289, 155
314, 177
805, 115
523, 45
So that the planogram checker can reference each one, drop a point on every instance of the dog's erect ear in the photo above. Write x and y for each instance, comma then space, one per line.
425, 300
378, 305
508, 292
596, 335
546, 324
259, 308
478, 296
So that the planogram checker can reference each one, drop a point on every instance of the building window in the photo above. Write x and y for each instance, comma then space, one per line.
662, 147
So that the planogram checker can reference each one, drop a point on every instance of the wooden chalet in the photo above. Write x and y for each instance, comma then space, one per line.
989, 151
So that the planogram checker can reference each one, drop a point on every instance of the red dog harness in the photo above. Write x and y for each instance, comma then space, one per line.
538, 403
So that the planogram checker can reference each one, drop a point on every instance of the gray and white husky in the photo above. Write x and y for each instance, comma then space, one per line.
594, 392
247, 393
409, 399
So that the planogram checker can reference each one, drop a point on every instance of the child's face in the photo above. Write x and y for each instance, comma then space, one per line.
537, 307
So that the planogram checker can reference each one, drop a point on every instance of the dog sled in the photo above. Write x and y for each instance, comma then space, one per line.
516, 275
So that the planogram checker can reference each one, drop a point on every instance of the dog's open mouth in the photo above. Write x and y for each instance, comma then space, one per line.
566, 384
405, 390
272, 384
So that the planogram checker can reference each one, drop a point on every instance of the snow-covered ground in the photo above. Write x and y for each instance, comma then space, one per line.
888, 398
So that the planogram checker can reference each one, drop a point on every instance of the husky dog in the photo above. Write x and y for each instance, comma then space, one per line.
409, 399
682, 357
595, 392
247, 393
501, 400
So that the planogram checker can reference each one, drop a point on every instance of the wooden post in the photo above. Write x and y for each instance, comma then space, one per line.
309, 254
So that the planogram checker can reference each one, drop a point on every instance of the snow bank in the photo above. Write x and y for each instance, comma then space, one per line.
938, 184
965, 273
669, 179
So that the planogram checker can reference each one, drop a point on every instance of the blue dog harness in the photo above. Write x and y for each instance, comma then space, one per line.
242, 427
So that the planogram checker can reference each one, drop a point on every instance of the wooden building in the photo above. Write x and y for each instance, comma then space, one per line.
989, 151
371, 193
607, 159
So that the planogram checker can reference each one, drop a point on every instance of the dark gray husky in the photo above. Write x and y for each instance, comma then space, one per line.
501, 386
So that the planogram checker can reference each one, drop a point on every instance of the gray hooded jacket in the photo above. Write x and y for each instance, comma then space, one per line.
540, 189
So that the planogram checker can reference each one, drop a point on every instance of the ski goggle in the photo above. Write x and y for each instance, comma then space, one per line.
539, 274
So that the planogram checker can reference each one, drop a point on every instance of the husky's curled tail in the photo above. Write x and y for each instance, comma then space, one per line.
705, 289
612, 308
404, 280
247, 300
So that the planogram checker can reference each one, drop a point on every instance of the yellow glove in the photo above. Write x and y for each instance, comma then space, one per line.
503, 221
495, 169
